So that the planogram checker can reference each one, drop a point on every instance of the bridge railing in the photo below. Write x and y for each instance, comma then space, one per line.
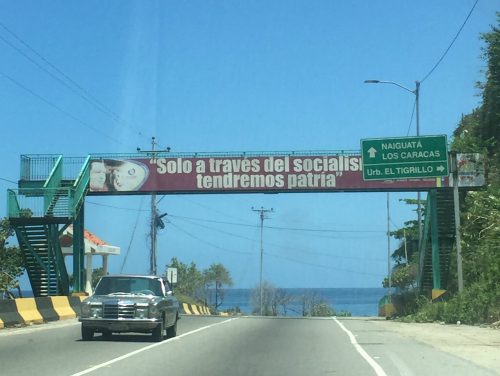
36, 167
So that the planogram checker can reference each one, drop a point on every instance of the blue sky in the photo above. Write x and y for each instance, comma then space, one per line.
238, 76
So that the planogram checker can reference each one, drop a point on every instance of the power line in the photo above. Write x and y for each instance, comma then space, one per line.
285, 247
272, 254
9, 181
278, 227
117, 207
249, 225
208, 243
411, 117
46, 101
451, 44
132, 236
302, 262
79, 91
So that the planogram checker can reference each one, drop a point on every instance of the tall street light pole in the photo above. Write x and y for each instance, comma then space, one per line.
416, 92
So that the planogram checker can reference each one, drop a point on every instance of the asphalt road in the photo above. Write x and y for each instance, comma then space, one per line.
224, 346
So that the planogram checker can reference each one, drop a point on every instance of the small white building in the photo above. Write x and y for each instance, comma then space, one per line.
94, 246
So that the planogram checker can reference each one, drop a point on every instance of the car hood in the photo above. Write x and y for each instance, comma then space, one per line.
122, 299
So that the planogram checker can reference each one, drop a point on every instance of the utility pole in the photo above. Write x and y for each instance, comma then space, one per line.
152, 254
389, 277
456, 209
262, 214
154, 211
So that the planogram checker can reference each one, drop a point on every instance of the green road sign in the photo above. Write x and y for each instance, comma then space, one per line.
404, 157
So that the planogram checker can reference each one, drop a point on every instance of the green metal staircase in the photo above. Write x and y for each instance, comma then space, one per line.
437, 241
45, 203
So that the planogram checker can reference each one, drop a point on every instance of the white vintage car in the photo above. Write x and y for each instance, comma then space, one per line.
130, 303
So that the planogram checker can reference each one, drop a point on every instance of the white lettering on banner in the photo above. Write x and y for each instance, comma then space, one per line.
231, 181
234, 165
200, 166
272, 164
274, 172
327, 164
173, 166
311, 180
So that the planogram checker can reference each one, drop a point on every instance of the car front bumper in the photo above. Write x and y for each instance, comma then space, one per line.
120, 325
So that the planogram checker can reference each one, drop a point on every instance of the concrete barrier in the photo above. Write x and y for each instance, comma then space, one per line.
46, 309
9, 314
75, 303
186, 309
28, 310
63, 308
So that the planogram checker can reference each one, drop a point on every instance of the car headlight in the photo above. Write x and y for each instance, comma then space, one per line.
96, 310
153, 311
141, 311
85, 307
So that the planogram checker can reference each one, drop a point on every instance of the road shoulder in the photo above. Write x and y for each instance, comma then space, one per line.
478, 345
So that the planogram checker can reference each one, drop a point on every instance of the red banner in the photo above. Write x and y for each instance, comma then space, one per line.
269, 174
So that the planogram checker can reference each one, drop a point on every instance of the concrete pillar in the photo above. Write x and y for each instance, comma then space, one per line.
88, 279
105, 264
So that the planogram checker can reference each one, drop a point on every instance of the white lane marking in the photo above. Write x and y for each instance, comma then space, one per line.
376, 367
130, 354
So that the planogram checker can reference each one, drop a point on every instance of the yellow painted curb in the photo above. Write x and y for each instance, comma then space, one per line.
195, 309
28, 311
62, 307
187, 311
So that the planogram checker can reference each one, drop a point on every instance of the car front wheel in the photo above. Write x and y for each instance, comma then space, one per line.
157, 333
172, 330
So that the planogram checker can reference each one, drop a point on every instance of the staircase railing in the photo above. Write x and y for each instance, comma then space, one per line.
13, 209
32, 202
80, 186
52, 184
423, 245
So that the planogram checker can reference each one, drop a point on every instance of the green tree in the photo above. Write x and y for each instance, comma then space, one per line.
216, 277
190, 280
11, 259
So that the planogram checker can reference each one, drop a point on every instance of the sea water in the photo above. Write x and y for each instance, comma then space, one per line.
357, 301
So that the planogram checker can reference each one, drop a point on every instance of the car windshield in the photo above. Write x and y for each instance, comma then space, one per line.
128, 285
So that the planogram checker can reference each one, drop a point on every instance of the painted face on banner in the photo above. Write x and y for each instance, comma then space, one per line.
128, 176
97, 176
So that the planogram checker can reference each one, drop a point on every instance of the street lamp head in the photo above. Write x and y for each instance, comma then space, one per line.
372, 81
